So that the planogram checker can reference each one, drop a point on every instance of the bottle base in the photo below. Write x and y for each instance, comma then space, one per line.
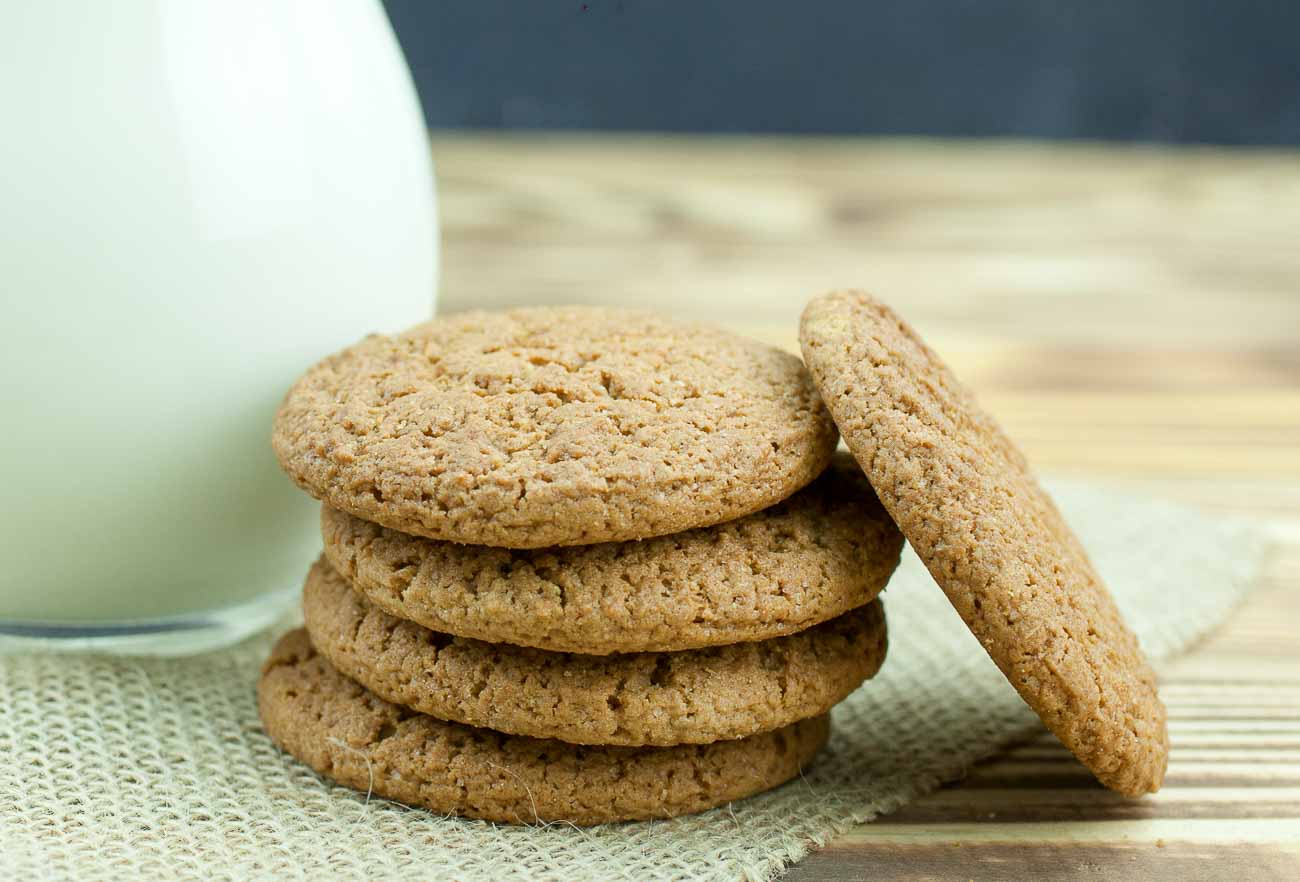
186, 634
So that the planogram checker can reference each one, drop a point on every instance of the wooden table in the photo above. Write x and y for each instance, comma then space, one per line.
1129, 313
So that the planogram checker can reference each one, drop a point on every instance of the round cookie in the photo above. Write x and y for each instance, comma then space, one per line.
553, 426
339, 729
826, 550
966, 500
652, 698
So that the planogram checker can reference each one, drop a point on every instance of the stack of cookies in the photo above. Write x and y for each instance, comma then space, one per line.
579, 564
592, 565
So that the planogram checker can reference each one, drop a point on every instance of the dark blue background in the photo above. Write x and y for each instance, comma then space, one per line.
1201, 71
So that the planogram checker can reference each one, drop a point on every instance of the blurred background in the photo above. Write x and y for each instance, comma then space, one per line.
1159, 70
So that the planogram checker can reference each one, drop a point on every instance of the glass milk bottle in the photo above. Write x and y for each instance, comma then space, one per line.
197, 200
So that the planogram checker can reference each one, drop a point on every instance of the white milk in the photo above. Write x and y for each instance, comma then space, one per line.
197, 200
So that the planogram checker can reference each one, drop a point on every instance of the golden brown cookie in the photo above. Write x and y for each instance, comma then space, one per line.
649, 698
965, 498
824, 551
553, 426
344, 732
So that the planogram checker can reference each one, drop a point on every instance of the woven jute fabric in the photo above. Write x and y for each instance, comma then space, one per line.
158, 769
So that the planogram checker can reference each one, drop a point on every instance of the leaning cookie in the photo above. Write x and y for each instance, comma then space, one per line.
967, 502
824, 551
553, 426
339, 729
651, 698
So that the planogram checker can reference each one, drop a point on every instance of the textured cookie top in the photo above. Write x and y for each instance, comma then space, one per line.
553, 426
965, 498
339, 729
826, 550
649, 698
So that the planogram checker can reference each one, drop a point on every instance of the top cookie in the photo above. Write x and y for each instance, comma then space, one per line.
966, 500
553, 426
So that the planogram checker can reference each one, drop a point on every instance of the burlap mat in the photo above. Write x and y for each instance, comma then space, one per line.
157, 769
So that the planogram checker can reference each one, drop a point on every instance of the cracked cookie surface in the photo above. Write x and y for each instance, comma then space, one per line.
966, 500
553, 426
336, 727
827, 549
652, 698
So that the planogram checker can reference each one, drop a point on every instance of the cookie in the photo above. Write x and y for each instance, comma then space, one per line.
344, 732
651, 698
966, 500
553, 426
824, 551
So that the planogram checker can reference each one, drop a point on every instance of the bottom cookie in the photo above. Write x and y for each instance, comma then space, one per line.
348, 734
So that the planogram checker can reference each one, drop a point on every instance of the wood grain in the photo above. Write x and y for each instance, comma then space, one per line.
1130, 314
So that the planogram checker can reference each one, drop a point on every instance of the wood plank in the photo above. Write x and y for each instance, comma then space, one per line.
997, 862
1015, 805
996, 240
1283, 831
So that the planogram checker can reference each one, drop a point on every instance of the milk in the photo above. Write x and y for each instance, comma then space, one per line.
197, 201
